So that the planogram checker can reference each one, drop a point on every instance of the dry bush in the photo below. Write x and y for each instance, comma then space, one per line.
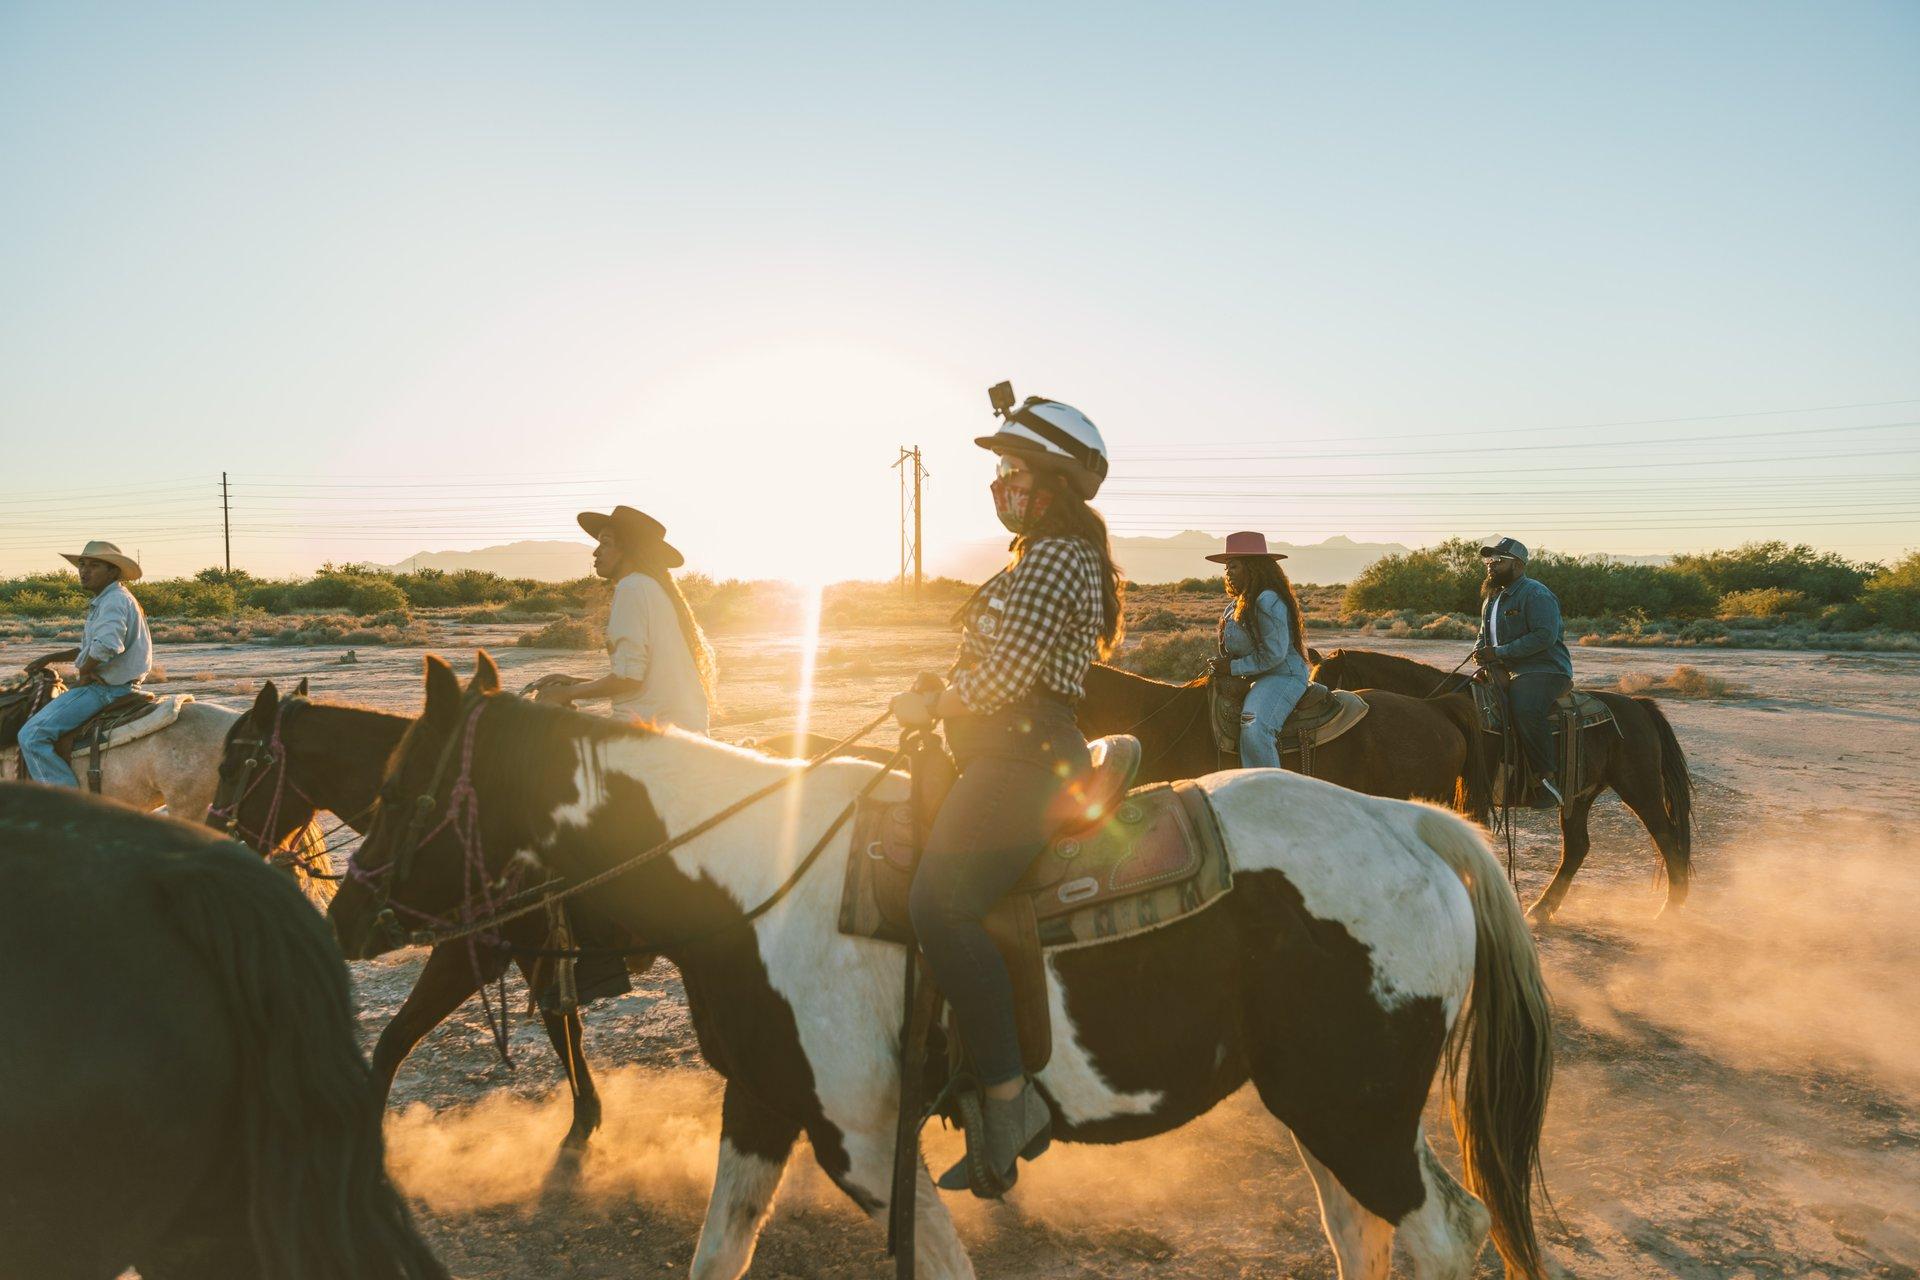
1682, 682
564, 633
1178, 655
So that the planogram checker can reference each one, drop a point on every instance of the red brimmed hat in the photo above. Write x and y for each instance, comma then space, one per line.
1246, 544
638, 532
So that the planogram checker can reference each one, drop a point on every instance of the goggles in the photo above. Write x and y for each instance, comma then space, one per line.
1010, 466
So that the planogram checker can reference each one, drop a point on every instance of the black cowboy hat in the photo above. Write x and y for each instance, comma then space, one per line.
637, 532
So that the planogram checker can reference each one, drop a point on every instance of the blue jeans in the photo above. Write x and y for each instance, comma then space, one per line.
1532, 695
65, 713
1269, 702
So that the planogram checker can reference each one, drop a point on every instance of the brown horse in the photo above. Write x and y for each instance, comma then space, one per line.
1406, 748
1642, 763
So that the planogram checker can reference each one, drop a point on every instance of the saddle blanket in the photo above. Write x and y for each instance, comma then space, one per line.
164, 711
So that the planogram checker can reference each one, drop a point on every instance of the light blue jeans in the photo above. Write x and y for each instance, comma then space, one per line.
65, 713
1268, 704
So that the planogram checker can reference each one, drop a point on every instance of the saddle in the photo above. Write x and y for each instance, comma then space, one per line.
121, 721
1321, 715
1123, 863
1573, 710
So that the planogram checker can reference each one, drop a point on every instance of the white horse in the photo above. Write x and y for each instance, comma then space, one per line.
1368, 947
177, 767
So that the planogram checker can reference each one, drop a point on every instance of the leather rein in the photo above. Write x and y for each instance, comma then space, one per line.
481, 913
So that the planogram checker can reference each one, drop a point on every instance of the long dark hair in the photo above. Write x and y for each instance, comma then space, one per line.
1069, 516
697, 644
1263, 573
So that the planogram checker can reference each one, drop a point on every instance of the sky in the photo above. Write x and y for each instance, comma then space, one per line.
1628, 278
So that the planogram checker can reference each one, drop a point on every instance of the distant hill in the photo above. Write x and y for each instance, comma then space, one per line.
546, 561
1184, 555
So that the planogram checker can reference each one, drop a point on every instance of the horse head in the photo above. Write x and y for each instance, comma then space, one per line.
424, 845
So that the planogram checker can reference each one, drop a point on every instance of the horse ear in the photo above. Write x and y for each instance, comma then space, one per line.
486, 676
443, 691
1313, 656
300, 690
266, 703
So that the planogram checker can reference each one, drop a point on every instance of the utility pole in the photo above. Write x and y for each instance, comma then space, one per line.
910, 517
226, 524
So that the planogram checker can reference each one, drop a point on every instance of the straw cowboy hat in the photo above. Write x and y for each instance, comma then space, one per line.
637, 532
105, 551
1246, 544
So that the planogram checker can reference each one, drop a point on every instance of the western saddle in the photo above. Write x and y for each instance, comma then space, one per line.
1573, 713
1321, 715
42, 685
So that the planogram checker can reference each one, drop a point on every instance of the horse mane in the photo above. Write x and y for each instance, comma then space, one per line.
1408, 666
1101, 670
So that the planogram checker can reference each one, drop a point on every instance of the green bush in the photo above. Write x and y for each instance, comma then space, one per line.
348, 592
438, 589
186, 598
1442, 579
1765, 602
1893, 594
1822, 576
43, 595
1213, 586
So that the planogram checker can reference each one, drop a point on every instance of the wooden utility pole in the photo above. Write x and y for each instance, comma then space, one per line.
226, 524
910, 521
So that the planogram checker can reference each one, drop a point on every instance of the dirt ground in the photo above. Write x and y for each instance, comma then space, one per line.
1738, 1091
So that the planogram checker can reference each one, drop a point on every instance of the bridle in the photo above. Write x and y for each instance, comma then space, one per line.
268, 758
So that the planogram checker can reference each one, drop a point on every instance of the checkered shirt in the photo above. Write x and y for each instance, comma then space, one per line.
1034, 625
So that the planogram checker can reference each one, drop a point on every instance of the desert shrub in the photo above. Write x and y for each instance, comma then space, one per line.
1590, 586
186, 598
1179, 655
43, 595
439, 589
1821, 576
1765, 602
1442, 579
1158, 620
1213, 586
348, 591
1893, 594
1683, 682
564, 633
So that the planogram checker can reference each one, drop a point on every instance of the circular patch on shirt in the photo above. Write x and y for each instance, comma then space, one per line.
987, 624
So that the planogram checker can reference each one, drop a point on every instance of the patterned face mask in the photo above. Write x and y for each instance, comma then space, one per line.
1020, 510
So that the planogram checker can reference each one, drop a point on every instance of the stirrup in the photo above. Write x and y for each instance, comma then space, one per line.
975, 1171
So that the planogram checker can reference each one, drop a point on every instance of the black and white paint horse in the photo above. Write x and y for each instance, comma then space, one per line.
1368, 947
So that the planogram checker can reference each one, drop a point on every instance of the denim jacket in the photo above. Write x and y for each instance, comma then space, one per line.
1529, 629
1274, 654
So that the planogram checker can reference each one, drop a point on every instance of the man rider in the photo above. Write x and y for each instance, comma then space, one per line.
1520, 632
115, 655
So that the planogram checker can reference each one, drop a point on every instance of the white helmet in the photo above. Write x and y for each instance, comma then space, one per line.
1053, 437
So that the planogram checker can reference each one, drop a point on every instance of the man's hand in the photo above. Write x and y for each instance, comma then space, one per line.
1485, 656
560, 695
913, 709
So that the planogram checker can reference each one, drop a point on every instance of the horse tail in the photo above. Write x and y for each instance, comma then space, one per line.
1676, 782
320, 1206
1504, 1038
1474, 795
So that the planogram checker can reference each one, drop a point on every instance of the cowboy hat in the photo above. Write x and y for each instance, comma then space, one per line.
1246, 544
637, 532
105, 551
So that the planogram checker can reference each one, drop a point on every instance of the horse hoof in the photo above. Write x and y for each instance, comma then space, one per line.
1540, 916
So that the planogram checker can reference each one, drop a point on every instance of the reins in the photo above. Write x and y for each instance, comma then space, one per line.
540, 897
272, 752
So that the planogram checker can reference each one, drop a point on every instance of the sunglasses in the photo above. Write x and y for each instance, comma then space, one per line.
1010, 466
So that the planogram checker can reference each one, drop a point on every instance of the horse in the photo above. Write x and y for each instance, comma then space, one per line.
181, 1090
1642, 763
1368, 947
176, 766
286, 758
1405, 749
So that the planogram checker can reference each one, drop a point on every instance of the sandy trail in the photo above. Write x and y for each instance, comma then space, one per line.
1739, 1090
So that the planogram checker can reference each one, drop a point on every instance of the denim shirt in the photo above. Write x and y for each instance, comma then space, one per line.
1530, 638
1274, 654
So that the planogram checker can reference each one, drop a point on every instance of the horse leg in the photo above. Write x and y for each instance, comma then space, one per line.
1362, 1243
938, 1253
1444, 1236
1642, 795
443, 986
563, 1032
1574, 843
754, 1145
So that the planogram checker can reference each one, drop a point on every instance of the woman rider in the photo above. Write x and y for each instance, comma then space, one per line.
1263, 640
1028, 636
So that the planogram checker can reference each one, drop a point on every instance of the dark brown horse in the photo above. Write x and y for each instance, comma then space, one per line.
1406, 748
288, 757
1642, 763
